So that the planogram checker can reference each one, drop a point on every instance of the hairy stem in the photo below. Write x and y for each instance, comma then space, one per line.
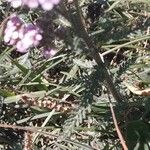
78, 24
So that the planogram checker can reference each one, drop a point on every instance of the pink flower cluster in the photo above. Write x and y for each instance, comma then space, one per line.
21, 35
49, 52
45, 4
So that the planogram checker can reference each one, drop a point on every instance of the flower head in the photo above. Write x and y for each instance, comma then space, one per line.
48, 52
45, 4
21, 35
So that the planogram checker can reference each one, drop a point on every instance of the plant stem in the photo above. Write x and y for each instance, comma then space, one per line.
122, 141
78, 25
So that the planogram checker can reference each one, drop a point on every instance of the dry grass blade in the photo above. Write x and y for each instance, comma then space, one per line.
137, 91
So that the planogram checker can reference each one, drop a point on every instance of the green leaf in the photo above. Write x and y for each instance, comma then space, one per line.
138, 135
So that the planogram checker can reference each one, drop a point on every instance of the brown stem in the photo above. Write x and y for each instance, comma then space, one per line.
78, 24
122, 141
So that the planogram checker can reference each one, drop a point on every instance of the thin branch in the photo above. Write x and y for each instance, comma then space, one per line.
122, 141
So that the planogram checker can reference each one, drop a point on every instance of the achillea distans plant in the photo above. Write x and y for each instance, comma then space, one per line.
45, 4
21, 35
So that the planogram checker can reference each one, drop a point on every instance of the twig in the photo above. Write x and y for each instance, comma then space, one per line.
147, 14
122, 141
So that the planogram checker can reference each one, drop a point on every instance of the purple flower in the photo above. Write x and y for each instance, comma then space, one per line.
31, 3
48, 4
14, 21
31, 37
11, 32
48, 52
45, 4
15, 3
21, 35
